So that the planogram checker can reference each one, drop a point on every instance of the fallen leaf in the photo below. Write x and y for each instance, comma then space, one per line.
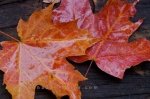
40, 57
113, 54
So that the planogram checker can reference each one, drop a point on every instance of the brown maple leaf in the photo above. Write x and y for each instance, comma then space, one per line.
113, 54
40, 57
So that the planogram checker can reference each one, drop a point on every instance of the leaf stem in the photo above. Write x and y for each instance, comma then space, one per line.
1, 32
89, 68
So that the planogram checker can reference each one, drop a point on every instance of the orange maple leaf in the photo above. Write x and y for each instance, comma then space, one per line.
40, 57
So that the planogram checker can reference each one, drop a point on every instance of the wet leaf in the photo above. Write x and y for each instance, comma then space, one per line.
40, 57
113, 54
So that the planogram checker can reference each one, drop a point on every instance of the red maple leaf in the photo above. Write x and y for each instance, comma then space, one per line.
113, 54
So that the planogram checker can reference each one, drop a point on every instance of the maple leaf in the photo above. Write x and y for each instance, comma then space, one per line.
40, 57
113, 54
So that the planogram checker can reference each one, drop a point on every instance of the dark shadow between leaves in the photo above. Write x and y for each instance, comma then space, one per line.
4, 94
42, 93
97, 5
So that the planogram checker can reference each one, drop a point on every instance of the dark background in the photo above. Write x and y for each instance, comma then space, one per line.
136, 83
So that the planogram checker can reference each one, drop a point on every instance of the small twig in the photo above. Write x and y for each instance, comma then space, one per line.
1, 32
89, 68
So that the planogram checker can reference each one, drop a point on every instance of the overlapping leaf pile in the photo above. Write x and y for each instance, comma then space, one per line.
40, 57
